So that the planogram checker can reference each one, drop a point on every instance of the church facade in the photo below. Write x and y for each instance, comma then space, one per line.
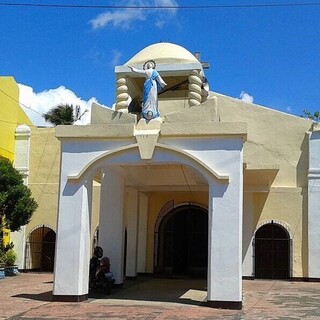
215, 187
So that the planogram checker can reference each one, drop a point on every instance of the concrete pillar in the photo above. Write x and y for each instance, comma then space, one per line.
21, 163
142, 232
22, 151
132, 231
314, 204
73, 242
247, 235
111, 226
225, 246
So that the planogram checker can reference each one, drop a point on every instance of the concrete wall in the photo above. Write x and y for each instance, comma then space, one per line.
44, 176
11, 115
275, 139
44, 180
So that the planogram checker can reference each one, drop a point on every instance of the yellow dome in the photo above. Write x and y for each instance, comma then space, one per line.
163, 53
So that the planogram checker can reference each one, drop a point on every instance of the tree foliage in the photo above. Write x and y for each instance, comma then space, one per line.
64, 114
61, 114
313, 116
16, 202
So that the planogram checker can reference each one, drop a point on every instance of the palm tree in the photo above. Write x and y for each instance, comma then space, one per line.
312, 116
61, 114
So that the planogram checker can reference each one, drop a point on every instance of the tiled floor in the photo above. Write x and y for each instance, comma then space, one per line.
28, 296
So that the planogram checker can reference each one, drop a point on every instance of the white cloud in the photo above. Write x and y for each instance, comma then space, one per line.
124, 18
246, 97
40, 103
118, 18
166, 3
116, 56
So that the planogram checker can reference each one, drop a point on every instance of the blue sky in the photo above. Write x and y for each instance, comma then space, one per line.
270, 53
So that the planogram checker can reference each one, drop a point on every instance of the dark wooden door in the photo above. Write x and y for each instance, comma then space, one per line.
272, 252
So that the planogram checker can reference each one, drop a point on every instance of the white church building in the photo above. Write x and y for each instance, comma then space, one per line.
216, 187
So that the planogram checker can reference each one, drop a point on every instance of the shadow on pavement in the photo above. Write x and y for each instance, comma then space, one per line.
44, 296
144, 290
184, 291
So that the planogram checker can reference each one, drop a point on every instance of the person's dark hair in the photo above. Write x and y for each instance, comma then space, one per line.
98, 252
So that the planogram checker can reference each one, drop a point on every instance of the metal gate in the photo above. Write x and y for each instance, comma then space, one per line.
183, 242
272, 252
40, 249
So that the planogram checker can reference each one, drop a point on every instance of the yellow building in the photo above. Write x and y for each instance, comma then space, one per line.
44, 164
11, 115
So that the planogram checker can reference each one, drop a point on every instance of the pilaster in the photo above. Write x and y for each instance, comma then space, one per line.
314, 204
22, 150
248, 234
21, 163
142, 231
132, 206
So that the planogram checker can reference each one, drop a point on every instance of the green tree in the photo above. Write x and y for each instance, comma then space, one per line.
313, 116
16, 202
61, 114
64, 114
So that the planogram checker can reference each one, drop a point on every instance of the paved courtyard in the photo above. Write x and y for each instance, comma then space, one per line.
28, 296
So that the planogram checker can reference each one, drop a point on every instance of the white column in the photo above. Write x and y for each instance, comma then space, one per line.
21, 163
314, 205
73, 241
111, 226
132, 232
247, 235
142, 232
225, 245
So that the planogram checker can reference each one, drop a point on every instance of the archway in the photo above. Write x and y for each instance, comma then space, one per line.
272, 252
222, 192
183, 242
41, 249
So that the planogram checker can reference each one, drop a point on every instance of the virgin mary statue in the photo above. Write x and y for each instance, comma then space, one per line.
152, 85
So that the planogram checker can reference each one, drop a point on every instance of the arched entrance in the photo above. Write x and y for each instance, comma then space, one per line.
118, 170
41, 249
183, 242
272, 252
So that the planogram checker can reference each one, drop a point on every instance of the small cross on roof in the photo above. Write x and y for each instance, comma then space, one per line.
205, 65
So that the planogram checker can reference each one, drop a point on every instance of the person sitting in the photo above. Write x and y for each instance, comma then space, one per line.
104, 275
94, 263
